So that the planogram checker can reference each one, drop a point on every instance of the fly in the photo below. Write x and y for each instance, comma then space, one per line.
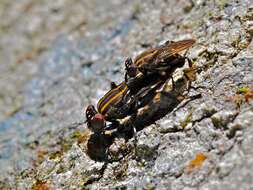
115, 104
122, 100
162, 59
152, 67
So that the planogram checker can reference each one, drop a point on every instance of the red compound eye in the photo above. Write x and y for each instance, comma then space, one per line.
97, 123
98, 117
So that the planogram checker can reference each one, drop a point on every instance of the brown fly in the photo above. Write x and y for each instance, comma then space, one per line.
152, 67
163, 59
122, 100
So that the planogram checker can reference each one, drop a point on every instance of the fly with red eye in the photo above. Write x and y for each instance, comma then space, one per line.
95, 120
122, 100
152, 67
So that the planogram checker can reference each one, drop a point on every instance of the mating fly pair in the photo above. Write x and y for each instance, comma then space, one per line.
151, 68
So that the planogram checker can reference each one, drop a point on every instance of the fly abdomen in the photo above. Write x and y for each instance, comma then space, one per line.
111, 98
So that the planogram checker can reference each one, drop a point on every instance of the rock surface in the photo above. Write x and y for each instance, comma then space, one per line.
58, 57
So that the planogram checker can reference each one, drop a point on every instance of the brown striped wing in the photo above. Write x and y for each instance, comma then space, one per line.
146, 57
174, 48
156, 55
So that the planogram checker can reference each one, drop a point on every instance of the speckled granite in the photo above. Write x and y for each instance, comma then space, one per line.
56, 58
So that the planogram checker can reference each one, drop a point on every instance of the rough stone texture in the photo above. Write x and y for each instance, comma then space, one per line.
58, 57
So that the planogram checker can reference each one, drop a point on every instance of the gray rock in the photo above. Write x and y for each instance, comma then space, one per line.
59, 57
222, 118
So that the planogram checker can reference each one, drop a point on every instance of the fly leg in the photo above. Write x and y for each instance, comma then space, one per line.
190, 75
134, 109
173, 82
126, 77
141, 99
189, 61
131, 69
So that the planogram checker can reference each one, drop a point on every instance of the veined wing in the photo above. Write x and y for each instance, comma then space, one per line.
146, 57
174, 48
160, 53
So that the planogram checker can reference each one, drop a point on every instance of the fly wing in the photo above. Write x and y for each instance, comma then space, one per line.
173, 48
149, 59
146, 57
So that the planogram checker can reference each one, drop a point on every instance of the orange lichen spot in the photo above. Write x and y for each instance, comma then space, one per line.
41, 155
40, 185
248, 96
31, 54
196, 162
56, 154
165, 20
243, 95
84, 137
237, 99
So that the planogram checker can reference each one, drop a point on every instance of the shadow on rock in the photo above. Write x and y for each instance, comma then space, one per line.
97, 146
